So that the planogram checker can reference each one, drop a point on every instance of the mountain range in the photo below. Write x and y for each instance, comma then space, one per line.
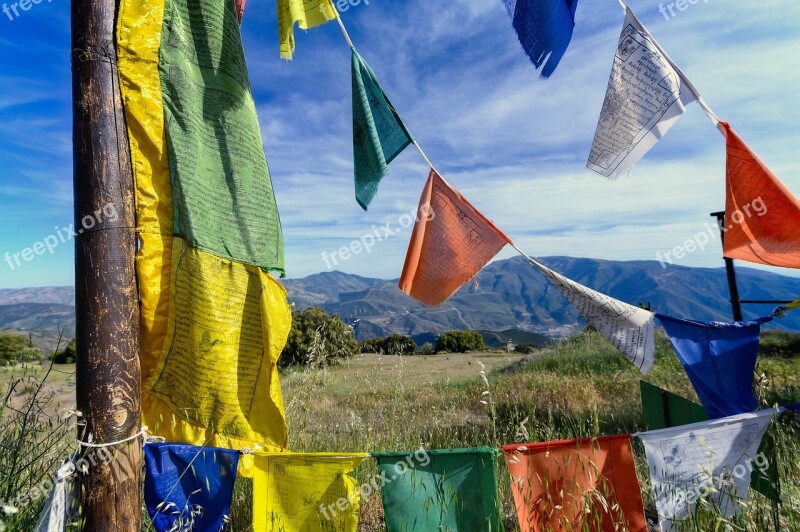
508, 295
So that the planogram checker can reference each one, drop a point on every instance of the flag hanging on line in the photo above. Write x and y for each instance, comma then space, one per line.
208, 227
379, 134
761, 214
63, 502
646, 95
720, 359
663, 410
294, 492
441, 490
630, 329
450, 244
544, 29
588, 484
710, 461
240, 8
307, 14
188, 487
792, 306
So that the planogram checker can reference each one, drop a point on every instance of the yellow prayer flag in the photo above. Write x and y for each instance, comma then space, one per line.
307, 13
294, 492
792, 306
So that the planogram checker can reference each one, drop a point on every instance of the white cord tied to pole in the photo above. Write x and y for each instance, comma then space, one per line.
141, 433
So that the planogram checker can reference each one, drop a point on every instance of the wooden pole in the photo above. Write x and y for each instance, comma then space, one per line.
736, 304
106, 296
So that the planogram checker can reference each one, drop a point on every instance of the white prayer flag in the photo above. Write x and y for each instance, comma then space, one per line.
62, 501
712, 461
631, 330
646, 95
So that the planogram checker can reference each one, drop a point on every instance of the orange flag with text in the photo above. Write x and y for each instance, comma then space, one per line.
762, 216
586, 484
450, 244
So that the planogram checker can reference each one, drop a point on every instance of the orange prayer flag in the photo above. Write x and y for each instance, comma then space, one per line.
586, 484
761, 214
240, 8
451, 242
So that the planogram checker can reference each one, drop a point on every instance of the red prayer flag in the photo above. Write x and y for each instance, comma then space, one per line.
240, 8
586, 484
451, 242
762, 216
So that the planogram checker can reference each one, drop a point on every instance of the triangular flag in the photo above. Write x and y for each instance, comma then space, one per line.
307, 13
379, 134
295, 492
646, 95
586, 484
240, 8
762, 216
440, 490
631, 330
710, 461
450, 244
720, 359
188, 487
544, 28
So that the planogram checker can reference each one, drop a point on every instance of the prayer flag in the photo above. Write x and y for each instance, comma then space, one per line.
208, 229
586, 484
710, 461
379, 134
544, 29
295, 492
663, 410
761, 214
440, 490
307, 13
792, 306
240, 8
720, 359
187, 487
450, 244
631, 330
646, 95
63, 500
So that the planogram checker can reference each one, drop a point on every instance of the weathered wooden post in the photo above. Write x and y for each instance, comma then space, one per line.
106, 297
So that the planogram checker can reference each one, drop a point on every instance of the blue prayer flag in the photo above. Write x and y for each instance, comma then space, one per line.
544, 28
720, 359
189, 488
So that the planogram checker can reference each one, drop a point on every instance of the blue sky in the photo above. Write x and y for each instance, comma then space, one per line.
514, 144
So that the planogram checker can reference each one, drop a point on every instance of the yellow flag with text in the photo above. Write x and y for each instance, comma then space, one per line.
307, 14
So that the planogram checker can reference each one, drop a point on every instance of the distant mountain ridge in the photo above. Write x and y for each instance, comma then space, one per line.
508, 294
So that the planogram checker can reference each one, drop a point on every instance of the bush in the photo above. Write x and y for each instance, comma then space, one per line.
426, 349
67, 355
372, 345
526, 349
459, 342
779, 344
317, 339
397, 344
11, 346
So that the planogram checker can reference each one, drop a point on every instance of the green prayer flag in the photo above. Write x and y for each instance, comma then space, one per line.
663, 409
378, 133
445, 490
222, 191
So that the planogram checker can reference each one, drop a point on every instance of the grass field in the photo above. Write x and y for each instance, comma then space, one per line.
579, 388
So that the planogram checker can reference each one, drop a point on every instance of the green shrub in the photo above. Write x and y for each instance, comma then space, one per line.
11, 345
66, 355
397, 344
779, 344
372, 345
459, 342
426, 349
526, 349
317, 339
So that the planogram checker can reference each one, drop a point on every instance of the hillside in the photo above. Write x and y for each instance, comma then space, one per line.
508, 295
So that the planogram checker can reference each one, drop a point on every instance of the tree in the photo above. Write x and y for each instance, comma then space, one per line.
372, 345
459, 342
426, 349
397, 344
317, 339
66, 355
11, 346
